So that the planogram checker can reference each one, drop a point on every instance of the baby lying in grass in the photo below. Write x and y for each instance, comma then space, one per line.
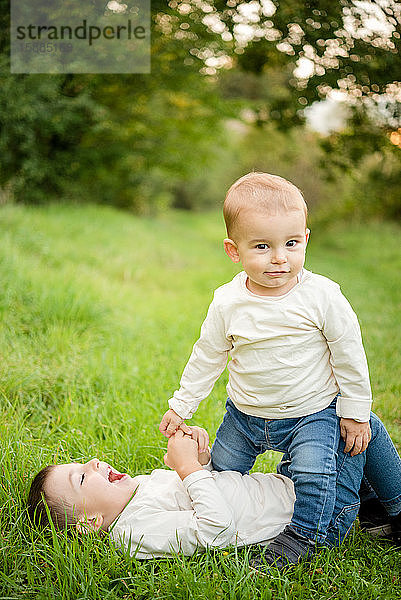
167, 511
191, 507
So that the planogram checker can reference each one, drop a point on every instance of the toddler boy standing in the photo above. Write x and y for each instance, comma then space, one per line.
298, 374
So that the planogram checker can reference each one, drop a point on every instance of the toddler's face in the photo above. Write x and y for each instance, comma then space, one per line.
93, 488
271, 249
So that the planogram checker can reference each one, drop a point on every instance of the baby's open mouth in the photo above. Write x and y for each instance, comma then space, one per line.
113, 476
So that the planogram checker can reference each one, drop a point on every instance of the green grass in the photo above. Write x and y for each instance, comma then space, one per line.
99, 311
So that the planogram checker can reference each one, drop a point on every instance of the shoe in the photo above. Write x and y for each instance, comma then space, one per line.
287, 549
395, 523
374, 519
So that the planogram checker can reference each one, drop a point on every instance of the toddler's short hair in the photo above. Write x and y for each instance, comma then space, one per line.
61, 514
263, 191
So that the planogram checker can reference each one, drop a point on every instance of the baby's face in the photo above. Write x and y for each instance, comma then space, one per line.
93, 488
271, 249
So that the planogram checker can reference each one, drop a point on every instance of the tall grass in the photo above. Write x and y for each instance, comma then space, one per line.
99, 311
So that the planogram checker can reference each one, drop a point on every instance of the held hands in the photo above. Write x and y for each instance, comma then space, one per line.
355, 435
171, 422
201, 437
182, 454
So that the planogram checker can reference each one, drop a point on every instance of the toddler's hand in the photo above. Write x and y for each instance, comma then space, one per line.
171, 422
355, 435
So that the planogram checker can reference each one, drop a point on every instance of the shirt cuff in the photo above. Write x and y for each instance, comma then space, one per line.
180, 408
208, 466
359, 410
196, 476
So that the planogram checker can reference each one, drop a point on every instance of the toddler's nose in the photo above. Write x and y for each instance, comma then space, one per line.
279, 257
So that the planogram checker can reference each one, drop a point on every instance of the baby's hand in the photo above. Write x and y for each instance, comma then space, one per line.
182, 454
355, 435
171, 422
200, 436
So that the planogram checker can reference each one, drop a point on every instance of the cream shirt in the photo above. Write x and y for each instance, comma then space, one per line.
290, 354
207, 509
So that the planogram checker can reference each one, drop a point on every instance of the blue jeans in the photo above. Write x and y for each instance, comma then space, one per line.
382, 473
380, 466
310, 442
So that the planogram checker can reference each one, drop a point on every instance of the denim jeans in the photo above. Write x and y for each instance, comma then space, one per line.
380, 466
382, 473
311, 443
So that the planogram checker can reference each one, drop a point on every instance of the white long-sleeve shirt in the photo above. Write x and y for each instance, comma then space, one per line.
206, 509
290, 354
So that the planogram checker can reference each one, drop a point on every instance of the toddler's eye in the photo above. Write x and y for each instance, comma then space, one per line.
262, 246
291, 243
82, 478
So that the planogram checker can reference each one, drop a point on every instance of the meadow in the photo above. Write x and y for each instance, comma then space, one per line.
99, 311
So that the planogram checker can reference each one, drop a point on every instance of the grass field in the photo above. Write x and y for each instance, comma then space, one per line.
99, 311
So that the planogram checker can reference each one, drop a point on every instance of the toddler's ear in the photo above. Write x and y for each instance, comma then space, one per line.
231, 250
86, 524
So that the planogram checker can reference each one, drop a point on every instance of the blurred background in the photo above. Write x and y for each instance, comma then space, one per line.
111, 189
308, 90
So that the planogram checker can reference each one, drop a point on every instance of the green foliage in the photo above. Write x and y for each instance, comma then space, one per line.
41, 129
364, 155
154, 138
123, 140
135, 141
99, 310
147, 142
340, 38
347, 52
376, 192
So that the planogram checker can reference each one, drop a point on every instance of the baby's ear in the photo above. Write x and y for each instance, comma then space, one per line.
231, 250
88, 524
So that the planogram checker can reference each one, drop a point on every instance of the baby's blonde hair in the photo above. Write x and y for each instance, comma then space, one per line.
261, 191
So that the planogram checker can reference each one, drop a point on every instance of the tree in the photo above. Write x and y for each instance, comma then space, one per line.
347, 46
138, 140
129, 140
